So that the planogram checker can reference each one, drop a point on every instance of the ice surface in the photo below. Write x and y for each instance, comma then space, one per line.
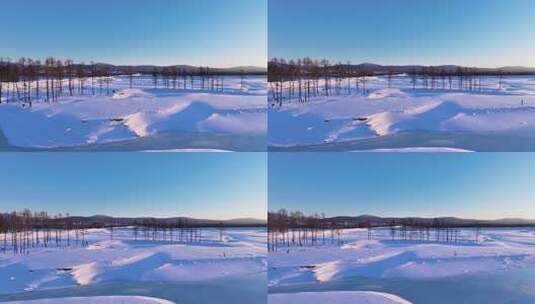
417, 149
336, 297
96, 300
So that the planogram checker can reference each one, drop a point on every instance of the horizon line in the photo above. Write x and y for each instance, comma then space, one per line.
140, 216
341, 62
421, 216
145, 216
43, 59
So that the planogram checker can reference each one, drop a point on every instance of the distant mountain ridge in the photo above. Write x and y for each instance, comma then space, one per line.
376, 221
104, 220
149, 69
146, 69
399, 69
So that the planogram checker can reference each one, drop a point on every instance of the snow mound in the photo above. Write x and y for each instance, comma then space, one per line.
138, 123
250, 123
425, 117
336, 297
84, 274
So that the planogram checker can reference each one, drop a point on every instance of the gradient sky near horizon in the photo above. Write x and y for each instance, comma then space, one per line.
468, 185
484, 33
217, 33
200, 185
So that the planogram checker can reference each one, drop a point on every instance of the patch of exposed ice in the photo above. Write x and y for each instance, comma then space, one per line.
336, 297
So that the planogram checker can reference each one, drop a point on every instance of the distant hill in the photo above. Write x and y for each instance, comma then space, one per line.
400, 69
518, 70
376, 221
149, 69
248, 69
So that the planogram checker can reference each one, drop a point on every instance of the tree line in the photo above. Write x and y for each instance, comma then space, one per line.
304, 78
23, 231
28, 80
301, 79
288, 229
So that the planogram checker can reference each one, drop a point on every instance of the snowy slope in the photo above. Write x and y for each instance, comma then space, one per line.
128, 114
382, 111
241, 252
499, 249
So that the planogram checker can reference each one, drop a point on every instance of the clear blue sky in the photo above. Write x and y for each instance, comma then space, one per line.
471, 185
220, 33
201, 185
486, 33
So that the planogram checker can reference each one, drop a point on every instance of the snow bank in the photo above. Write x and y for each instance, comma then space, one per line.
336, 297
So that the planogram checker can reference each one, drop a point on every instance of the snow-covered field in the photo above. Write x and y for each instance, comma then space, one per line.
211, 119
499, 251
401, 117
240, 253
